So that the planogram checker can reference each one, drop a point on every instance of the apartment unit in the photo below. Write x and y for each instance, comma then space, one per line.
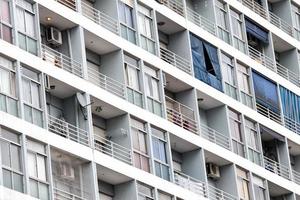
150, 99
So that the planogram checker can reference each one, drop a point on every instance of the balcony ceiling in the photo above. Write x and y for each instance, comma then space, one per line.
181, 145
276, 190
281, 45
294, 148
206, 102
60, 89
169, 26
174, 85
212, 158
110, 176
104, 110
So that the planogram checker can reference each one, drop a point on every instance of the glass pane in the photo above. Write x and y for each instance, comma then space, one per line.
32, 47
157, 169
10, 136
7, 178
4, 81
43, 191
5, 11
145, 163
41, 167
33, 188
32, 164
18, 182
21, 20
12, 106
16, 157
131, 36
29, 22
150, 105
165, 172
22, 41
137, 161
28, 113
38, 118
26, 90
130, 95
3, 103
35, 92
138, 99
5, 154
6, 33
36, 146
157, 108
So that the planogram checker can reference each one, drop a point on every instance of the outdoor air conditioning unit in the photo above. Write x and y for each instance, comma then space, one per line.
67, 171
213, 171
54, 36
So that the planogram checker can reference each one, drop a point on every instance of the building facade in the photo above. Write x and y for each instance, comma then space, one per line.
150, 99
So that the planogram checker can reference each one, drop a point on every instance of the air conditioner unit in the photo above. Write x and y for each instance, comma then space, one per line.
213, 171
54, 36
67, 171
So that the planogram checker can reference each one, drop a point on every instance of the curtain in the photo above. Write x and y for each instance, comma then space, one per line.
290, 104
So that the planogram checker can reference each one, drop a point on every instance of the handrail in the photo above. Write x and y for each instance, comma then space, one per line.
62, 61
182, 116
106, 82
175, 60
261, 58
214, 136
100, 18
296, 176
74, 191
69, 3
292, 124
67, 130
190, 183
281, 24
112, 149
284, 72
268, 113
277, 168
175, 5
64, 195
201, 21
256, 7
218, 194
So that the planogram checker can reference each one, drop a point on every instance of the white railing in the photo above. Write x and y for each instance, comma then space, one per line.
59, 194
277, 168
112, 149
106, 82
256, 7
175, 60
100, 18
214, 136
261, 58
281, 24
296, 176
201, 21
217, 194
62, 61
292, 124
68, 189
190, 183
181, 115
67, 130
268, 113
175, 5
69, 3
288, 74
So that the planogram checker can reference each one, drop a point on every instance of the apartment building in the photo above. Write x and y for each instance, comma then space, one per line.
150, 99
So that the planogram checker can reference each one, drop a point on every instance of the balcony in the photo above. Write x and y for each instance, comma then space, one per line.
277, 168
255, 7
217, 194
175, 5
214, 136
100, 18
69, 3
296, 176
267, 112
181, 115
60, 194
190, 183
61, 61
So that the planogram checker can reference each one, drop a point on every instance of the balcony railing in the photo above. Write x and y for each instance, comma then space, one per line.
201, 21
267, 112
296, 176
175, 5
175, 60
181, 115
68, 190
62, 61
69, 3
288, 74
292, 124
214, 136
261, 58
280, 23
190, 183
106, 83
67, 130
217, 194
112, 149
277, 168
100, 18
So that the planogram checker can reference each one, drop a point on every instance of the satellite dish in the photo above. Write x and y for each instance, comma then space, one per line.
80, 99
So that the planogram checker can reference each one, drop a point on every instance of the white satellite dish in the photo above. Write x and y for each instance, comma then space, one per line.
81, 100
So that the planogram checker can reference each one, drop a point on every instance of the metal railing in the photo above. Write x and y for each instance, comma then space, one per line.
181, 115
59, 194
214, 136
69, 3
217, 194
277, 168
190, 183
201, 21
106, 83
62, 61
261, 58
255, 7
281, 24
267, 112
296, 176
288, 74
112, 149
67, 130
292, 124
100, 18
175, 5
175, 60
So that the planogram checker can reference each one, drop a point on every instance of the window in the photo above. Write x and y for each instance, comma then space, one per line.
8, 100
164, 196
229, 76
31, 87
145, 192
222, 21
252, 139
259, 188
12, 170
145, 24
5, 23
37, 159
132, 72
152, 90
26, 26
159, 146
236, 132
243, 184
238, 31
296, 20
127, 21
140, 151
244, 85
